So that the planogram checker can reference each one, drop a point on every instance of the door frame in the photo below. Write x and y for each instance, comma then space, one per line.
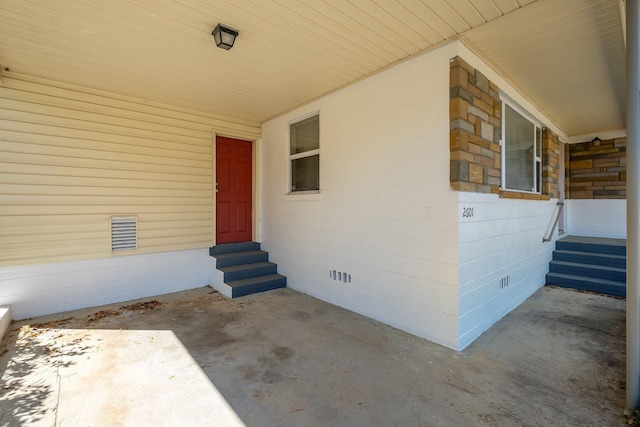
255, 190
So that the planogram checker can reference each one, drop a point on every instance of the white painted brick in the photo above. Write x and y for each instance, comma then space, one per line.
510, 244
597, 218
382, 164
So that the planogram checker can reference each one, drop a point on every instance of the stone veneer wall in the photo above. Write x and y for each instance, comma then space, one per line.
474, 112
550, 163
596, 171
475, 131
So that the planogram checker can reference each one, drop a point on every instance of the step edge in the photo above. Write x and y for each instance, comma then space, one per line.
266, 277
615, 256
587, 265
586, 278
247, 266
593, 248
237, 254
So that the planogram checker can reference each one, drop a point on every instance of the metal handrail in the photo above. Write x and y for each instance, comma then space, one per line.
559, 207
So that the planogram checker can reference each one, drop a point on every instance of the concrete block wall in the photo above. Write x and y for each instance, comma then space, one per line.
596, 218
385, 214
502, 258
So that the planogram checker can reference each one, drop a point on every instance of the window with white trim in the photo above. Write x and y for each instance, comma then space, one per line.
304, 154
521, 152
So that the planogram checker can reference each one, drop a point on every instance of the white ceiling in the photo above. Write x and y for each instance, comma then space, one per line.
566, 55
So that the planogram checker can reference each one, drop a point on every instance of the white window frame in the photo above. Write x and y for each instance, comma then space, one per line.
537, 156
302, 155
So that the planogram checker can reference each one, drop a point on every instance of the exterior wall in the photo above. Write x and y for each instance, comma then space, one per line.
596, 218
34, 290
475, 130
595, 188
502, 259
597, 171
385, 214
550, 163
421, 257
72, 157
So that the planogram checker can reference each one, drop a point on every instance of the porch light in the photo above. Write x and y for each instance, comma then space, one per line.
225, 36
596, 141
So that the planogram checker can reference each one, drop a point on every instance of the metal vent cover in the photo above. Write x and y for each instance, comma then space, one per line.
124, 233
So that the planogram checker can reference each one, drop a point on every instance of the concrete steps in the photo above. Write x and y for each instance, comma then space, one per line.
243, 269
591, 264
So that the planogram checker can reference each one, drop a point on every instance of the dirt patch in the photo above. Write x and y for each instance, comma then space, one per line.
143, 307
50, 325
282, 353
102, 314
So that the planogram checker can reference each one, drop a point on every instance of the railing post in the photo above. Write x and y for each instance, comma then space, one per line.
633, 205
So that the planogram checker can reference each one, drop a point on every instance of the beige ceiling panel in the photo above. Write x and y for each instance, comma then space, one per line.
383, 14
468, 13
424, 13
488, 9
293, 32
568, 57
448, 14
506, 6
563, 54
415, 18
344, 21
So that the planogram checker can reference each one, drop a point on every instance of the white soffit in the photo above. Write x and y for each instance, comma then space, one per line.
291, 51
568, 56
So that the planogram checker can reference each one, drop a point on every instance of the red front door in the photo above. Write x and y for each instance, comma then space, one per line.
234, 196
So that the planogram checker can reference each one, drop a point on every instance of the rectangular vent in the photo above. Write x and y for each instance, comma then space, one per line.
124, 233
340, 276
505, 282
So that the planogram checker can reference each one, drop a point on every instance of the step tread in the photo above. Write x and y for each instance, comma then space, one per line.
249, 266
588, 265
238, 254
587, 279
255, 280
233, 247
590, 254
593, 245
606, 241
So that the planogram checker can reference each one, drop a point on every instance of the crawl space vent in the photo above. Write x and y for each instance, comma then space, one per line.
124, 233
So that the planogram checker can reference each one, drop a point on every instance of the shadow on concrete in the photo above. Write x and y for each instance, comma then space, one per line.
284, 358
27, 350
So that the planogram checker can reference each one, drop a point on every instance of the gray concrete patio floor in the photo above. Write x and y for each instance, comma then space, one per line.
283, 358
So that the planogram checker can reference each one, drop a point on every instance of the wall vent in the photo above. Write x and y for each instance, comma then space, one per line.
124, 233
505, 282
340, 276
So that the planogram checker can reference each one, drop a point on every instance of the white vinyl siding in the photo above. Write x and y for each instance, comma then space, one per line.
70, 158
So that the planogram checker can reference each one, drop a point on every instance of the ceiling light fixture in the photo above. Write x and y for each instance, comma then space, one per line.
225, 36
596, 141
